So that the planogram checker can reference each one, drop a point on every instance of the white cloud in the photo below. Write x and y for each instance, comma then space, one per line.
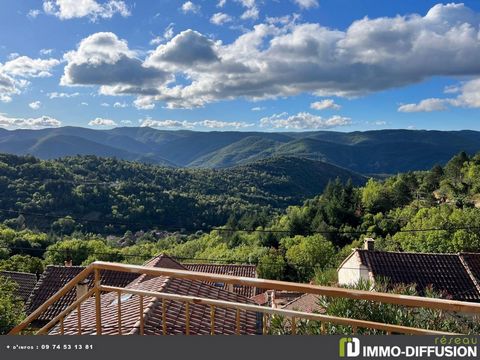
303, 121
103, 59
30, 123
102, 122
84, 103
325, 104
33, 13
120, 105
190, 7
71, 9
13, 56
15, 72
221, 3
126, 122
105, 104
24, 66
285, 59
220, 18
258, 108
307, 4
45, 52
251, 13
211, 124
57, 95
427, 105
469, 94
167, 35
35, 105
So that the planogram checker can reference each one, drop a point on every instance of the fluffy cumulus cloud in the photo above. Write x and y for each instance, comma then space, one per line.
324, 105
28, 123
102, 122
105, 60
190, 7
14, 74
468, 97
71, 9
427, 105
277, 59
211, 124
307, 4
220, 18
35, 105
24, 66
303, 121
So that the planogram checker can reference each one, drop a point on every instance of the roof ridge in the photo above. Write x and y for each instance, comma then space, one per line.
150, 306
18, 272
470, 273
407, 252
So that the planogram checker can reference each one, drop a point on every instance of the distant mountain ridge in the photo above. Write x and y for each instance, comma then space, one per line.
380, 151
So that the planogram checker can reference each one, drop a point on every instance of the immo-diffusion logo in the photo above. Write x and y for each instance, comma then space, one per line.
349, 347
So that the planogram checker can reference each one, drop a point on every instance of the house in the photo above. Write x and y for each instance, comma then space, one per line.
175, 312
456, 275
25, 282
229, 269
56, 277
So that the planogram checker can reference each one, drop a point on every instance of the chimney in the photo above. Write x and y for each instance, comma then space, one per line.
369, 244
82, 288
68, 263
271, 298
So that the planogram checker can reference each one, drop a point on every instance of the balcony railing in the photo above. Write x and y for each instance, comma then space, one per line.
267, 313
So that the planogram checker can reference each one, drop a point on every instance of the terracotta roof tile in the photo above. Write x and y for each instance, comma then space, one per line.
444, 272
25, 282
56, 277
229, 269
225, 319
305, 303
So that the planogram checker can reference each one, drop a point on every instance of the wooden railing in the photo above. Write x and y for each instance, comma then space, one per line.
293, 316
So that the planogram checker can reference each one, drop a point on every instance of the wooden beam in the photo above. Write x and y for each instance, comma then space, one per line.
405, 300
55, 297
98, 302
284, 312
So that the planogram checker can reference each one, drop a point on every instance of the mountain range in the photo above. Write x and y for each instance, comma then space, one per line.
369, 152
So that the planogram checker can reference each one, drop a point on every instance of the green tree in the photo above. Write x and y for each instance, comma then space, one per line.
309, 253
11, 307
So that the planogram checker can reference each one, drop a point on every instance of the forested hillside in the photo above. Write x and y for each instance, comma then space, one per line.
113, 196
369, 152
428, 211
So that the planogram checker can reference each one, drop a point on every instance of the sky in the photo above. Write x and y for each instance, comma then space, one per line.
246, 65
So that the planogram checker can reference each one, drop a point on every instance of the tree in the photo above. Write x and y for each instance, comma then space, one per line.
307, 254
272, 266
375, 198
22, 263
11, 307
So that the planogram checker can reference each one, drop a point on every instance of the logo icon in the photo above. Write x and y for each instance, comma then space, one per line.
349, 347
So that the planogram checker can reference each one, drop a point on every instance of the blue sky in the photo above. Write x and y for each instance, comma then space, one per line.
271, 65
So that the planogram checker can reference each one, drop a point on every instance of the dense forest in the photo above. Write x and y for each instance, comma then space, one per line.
428, 211
112, 196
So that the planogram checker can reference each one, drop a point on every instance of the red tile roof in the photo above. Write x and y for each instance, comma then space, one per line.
305, 303
225, 319
25, 282
56, 277
444, 272
229, 269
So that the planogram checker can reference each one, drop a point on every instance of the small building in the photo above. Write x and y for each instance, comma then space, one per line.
56, 277
456, 275
225, 321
